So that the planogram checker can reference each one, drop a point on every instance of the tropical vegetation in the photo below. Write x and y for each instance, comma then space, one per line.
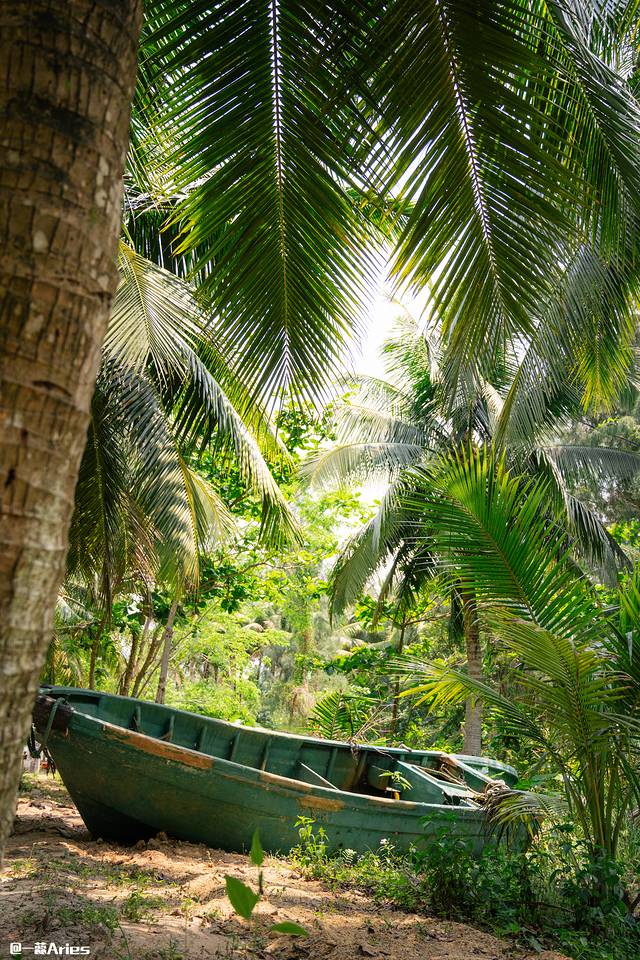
206, 504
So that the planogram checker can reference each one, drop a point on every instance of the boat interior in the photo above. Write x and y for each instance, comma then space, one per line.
427, 776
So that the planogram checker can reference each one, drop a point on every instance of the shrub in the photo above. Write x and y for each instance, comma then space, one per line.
552, 896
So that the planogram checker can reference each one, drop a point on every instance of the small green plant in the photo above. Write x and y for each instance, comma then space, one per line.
447, 867
138, 906
244, 900
171, 952
382, 874
88, 915
396, 779
188, 905
23, 869
132, 876
312, 848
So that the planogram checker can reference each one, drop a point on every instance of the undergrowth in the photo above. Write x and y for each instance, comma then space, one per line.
549, 897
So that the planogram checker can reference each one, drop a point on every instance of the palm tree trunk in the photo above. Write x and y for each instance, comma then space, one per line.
396, 690
473, 709
66, 82
138, 642
166, 652
95, 646
148, 662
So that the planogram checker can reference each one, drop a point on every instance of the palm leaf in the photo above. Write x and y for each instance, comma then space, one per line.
528, 144
493, 533
255, 103
184, 512
581, 352
360, 461
157, 329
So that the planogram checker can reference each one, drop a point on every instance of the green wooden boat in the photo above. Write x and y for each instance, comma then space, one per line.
134, 768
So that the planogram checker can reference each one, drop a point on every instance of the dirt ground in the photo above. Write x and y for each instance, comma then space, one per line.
166, 901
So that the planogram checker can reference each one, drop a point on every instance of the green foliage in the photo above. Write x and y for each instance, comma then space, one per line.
312, 847
138, 906
543, 898
274, 197
572, 667
396, 780
347, 715
394, 429
239, 702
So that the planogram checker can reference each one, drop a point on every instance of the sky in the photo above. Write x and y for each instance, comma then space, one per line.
379, 324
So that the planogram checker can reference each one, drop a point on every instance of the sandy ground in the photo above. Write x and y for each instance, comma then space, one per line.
166, 901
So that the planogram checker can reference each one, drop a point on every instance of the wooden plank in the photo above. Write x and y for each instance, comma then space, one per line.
438, 790
315, 777
234, 746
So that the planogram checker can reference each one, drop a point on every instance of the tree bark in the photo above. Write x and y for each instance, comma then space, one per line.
396, 688
167, 639
67, 73
154, 646
473, 708
138, 641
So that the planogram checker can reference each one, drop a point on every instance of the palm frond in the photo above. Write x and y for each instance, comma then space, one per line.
255, 101
370, 425
527, 139
180, 508
379, 393
597, 463
154, 319
506, 807
492, 531
491, 190
373, 547
581, 352
561, 465
348, 715
110, 534
156, 330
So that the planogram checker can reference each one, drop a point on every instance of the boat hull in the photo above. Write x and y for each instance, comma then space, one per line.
128, 786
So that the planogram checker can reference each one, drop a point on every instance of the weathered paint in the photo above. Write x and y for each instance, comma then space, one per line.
320, 803
129, 783
158, 748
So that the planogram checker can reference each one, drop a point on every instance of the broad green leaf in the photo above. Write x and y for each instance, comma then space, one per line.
288, 926
257, 853
242, 897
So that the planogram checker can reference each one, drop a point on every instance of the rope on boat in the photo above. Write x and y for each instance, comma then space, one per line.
38, 748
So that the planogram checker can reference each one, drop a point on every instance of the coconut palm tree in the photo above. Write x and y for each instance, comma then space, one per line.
156, 398
394, 425
576, 663
142, 512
